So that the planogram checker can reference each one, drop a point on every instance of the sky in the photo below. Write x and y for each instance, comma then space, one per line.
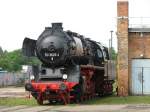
92, 18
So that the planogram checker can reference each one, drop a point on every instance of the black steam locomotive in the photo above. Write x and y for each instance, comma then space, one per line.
72, 66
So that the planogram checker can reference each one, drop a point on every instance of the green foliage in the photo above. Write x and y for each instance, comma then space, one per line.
114, 54
1, 50
13, 61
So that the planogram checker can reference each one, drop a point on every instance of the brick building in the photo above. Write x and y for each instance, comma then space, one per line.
133, 70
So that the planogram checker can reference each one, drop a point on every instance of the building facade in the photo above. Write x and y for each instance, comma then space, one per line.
133, 70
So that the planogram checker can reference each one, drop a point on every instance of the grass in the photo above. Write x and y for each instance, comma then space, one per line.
18, 101
120, 100
103, 100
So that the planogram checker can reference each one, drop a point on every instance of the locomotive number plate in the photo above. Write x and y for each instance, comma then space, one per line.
51, 54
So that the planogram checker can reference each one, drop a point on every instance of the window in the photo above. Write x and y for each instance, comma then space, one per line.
99, 53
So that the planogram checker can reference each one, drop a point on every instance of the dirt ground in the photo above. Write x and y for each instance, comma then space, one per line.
79, 108
13, 92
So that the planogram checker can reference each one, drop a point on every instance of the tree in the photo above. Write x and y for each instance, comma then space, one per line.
114, 54
1, 51
13, 61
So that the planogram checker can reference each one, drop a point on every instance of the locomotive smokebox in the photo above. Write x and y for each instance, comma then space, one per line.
57, 26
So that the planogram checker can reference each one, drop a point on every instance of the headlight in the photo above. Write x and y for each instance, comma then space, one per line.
32, 77
62, 86
65, 76
28, 87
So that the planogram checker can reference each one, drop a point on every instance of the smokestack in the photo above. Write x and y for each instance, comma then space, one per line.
57, 26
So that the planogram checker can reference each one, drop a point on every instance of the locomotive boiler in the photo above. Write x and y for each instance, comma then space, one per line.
72, 66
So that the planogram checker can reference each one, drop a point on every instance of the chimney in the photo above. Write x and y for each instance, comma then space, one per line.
57, 26
122, 35
122, 8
